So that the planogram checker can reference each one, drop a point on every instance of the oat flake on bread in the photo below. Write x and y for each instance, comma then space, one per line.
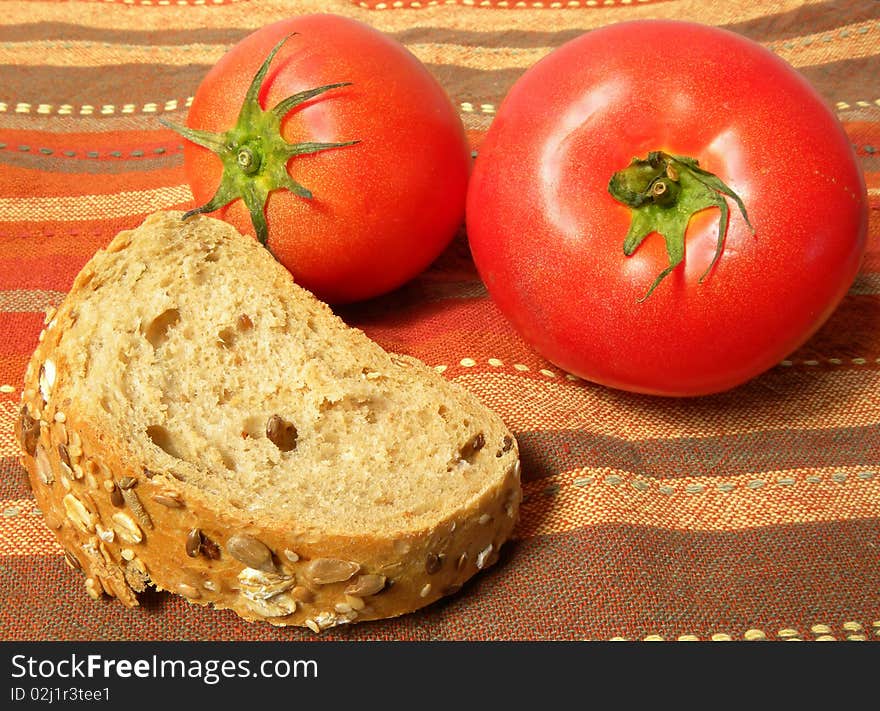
193, 420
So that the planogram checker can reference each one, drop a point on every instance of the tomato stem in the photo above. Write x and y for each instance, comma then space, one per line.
248, 161
253, 152
663, 192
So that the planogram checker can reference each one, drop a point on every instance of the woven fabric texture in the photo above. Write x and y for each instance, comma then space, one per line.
754, 514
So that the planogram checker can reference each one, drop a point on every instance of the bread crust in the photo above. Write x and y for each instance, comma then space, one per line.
126, 527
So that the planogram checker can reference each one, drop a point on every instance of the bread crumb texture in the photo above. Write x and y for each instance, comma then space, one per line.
294, 467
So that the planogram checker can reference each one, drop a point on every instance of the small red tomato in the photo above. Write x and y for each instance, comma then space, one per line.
666, 208
335, 146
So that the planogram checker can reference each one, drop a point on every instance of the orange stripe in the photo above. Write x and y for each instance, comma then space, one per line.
24, 185
12, 367
119, 203
834, 398
23, 531
576, 499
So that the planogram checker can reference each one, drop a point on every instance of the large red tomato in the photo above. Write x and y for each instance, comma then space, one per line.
364, 180
583, 248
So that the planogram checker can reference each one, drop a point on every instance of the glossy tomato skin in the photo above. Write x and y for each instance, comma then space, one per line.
382, 209
547, 236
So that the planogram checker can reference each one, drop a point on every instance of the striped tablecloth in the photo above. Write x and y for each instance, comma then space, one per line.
753, 514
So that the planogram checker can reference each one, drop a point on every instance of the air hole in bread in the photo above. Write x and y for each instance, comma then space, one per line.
226, 337
156, 332
163, 439
255, 426
228, 461
472, 446
197, 276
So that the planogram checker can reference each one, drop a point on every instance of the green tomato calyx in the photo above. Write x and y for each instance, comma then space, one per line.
253, 152
663, 192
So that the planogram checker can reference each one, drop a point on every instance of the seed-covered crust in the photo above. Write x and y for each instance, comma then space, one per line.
125, 525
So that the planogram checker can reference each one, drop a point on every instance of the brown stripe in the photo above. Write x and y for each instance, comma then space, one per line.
121, 84
501, 38
866, 284
846, 80
547, 453
13, 477
634, 581
820, 17
477, 85
769, 28
595, 583
56, 162
71, 32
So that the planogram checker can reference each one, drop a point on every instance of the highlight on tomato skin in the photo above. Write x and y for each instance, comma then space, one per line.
332, 144
666, 208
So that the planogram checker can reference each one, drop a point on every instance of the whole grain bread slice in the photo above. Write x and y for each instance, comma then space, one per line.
193, 420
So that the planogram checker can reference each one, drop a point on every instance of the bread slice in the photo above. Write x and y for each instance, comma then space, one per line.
193, 420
